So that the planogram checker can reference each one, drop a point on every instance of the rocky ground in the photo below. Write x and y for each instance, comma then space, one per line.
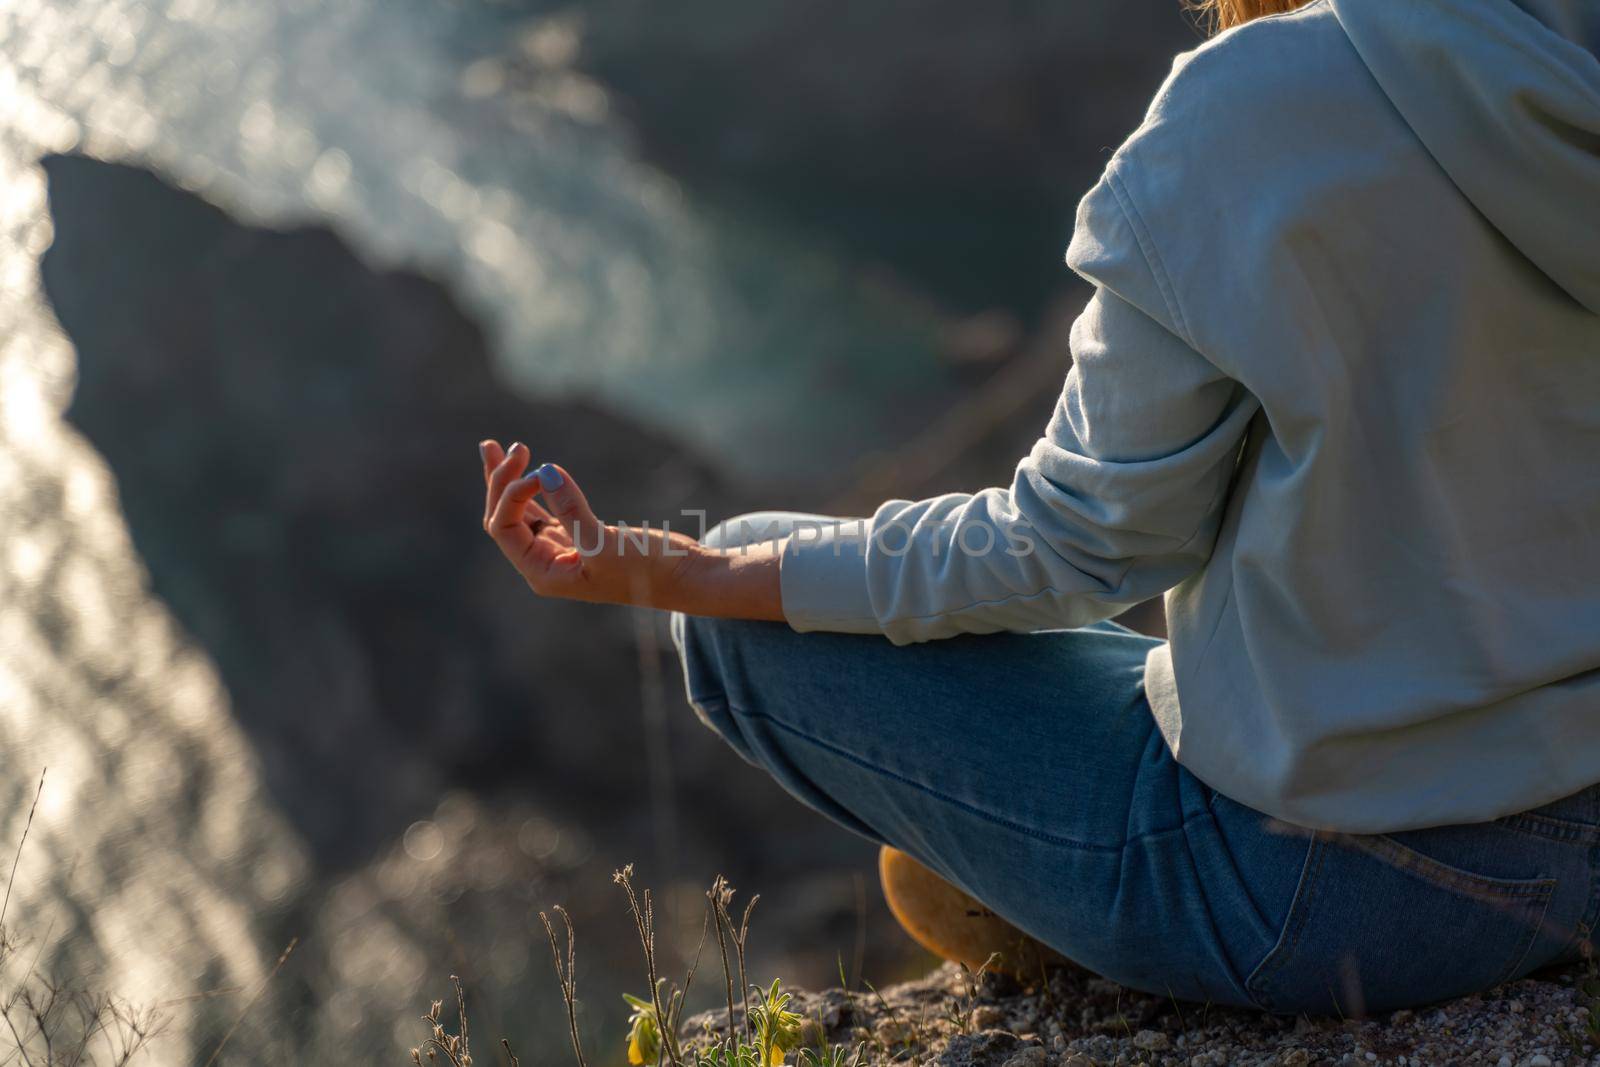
1077, 1020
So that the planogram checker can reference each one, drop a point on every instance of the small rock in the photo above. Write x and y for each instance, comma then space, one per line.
1515, 1007
1539, 1060
1401, 1017
1504, 1061
1028, 1057
1151, 1041
987, 1016
1294, 1057
992, 1047
812, 1033
890, 1031
1077, 1059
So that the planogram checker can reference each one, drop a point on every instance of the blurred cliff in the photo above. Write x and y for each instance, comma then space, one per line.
945, 141
693, 251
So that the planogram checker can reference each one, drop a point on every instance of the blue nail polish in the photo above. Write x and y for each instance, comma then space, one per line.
549, 478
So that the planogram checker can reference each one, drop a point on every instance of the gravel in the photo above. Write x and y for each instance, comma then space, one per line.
1078, 1020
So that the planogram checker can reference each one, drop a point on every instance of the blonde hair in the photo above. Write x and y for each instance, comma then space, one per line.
1222, 15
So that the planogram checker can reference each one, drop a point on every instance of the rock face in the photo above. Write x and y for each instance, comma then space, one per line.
293, 436
420, 754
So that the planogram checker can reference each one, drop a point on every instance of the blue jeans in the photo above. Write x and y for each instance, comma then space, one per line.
1027, 769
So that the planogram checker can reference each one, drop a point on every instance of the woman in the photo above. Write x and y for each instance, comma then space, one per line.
1337, 395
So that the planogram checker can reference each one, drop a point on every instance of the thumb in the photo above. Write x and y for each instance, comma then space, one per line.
566, 502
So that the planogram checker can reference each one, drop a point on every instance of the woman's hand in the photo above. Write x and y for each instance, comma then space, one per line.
562, 550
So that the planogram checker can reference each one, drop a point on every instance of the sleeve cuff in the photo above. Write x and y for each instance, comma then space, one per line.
823, 577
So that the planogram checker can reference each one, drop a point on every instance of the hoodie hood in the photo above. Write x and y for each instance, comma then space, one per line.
1505, 95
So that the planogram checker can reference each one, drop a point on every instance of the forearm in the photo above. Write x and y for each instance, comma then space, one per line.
736, 583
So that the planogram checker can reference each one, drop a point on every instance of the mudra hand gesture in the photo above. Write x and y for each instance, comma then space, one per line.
562, 550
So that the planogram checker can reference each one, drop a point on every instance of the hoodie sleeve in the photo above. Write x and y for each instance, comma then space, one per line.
1119, 500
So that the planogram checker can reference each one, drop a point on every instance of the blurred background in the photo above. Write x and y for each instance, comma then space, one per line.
270, 268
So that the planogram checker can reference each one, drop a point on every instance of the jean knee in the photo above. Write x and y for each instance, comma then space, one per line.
713, 652
705, 677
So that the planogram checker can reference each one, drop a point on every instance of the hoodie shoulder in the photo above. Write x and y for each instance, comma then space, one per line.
1240, 93
1260, 142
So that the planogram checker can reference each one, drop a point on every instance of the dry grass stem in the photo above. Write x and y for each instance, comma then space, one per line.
283, 957
644, 919
721, 895
17, 858
566, 975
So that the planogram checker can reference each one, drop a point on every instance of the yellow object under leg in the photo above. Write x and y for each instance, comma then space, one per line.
956, 926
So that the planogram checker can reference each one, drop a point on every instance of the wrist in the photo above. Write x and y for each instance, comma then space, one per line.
695, 579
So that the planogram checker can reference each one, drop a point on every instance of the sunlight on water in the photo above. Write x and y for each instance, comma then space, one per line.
434, 137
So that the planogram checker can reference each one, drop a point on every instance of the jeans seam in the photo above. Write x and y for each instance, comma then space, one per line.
1296, 922
971, 809
1534, 929
1582, 937
1229, 969
1430, 871
1550, 828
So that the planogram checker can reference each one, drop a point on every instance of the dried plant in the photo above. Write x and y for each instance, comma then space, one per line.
722, 897
566, 975
665, 1000
960, 1007
644, 919
54, 1023
770, 1031
283, 957
456, 1048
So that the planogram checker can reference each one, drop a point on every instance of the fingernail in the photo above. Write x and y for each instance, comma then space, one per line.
527, 481
483, 451
514, 446
549, 478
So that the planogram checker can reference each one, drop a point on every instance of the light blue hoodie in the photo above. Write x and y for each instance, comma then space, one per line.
1338, 395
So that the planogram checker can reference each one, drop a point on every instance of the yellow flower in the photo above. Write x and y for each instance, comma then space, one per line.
644, 1037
